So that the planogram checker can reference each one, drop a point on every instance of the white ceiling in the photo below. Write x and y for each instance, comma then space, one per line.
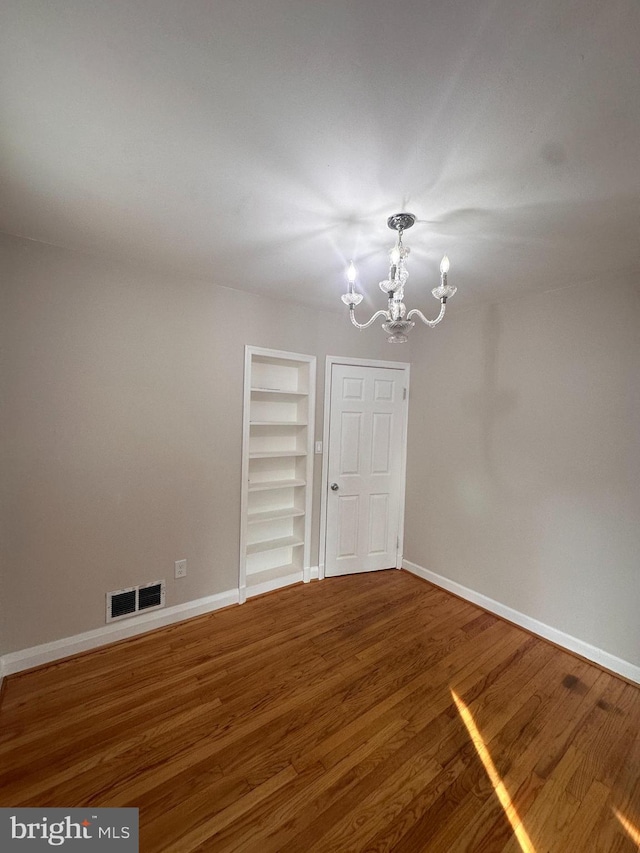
261, 144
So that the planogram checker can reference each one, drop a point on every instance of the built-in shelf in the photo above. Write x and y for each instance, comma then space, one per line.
275, 484
276, 454
273, 514
280, 575
277, 392
278, 423
277, 464
272, 544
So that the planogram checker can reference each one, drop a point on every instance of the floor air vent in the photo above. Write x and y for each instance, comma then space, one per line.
128, 602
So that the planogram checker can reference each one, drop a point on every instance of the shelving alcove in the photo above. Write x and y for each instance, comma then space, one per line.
277, 469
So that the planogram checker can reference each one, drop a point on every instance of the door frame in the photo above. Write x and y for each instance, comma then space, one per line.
405, 368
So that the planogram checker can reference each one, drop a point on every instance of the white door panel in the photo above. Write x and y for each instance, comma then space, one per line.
347, 533
351, 424
366, 431
381, 449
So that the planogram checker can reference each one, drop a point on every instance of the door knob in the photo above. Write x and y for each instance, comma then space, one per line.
334, 487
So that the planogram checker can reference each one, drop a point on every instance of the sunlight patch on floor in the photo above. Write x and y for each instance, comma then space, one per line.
632, 831
501, 792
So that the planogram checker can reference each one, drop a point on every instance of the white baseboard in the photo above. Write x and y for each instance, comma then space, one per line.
566, 641
58, 649
48, 652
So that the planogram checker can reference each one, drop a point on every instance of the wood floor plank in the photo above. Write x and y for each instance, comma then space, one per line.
379, 807
471, 783
271, 826
321, 717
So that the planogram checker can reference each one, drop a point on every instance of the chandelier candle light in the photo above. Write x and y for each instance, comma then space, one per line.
398, 321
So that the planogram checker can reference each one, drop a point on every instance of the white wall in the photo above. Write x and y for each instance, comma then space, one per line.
524, 459
121, 395
122, 431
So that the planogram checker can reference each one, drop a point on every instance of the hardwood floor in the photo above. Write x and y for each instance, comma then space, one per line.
323, 718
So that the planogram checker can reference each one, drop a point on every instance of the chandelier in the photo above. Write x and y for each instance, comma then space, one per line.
397, 320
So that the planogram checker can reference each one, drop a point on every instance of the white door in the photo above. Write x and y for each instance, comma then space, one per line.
365, 488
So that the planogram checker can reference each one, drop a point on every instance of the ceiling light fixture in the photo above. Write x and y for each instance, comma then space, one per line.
398, 321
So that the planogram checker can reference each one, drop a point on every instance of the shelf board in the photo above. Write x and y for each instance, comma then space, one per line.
272, 544
255, 578
273, 514
283, 393
276, 454
275, 484
279, 423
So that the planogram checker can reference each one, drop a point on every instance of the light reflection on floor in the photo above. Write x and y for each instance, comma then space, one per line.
490, 768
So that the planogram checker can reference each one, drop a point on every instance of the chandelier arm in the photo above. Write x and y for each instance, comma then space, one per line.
430, 323
352, 315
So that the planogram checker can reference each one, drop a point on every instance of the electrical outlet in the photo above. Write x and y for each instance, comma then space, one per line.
181, 568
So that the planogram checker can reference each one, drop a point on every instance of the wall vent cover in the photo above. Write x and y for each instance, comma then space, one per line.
127, 602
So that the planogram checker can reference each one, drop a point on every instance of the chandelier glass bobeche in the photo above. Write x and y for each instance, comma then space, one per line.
397, 320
